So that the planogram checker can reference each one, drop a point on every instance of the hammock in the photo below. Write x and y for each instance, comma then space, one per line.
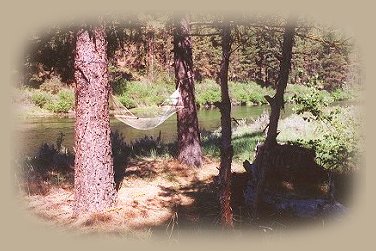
159, 114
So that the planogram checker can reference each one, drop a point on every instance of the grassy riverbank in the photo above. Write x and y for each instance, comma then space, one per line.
54, 97
166, 195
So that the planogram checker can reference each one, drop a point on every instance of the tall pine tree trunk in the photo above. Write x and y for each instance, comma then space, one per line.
226, 147
94, 174
265, 152
189, 142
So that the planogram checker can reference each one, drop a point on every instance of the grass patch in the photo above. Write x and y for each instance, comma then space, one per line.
54, 96
208, 92
61, 102
142, 94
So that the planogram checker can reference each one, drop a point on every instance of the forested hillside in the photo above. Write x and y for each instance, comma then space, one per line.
140, 51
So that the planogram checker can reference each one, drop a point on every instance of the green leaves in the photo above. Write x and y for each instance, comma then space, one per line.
64, 102
313, 102
337, 145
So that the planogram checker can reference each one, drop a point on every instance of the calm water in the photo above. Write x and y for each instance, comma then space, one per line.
32, 133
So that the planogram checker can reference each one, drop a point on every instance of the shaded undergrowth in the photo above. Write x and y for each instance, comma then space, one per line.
53, 165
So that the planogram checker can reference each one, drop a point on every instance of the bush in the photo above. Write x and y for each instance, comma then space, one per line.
140, 94
41, 98
64, 102
313, 102
207, 92
209, 97
249, 93
293, 91
126, 101
337, 146
341, 94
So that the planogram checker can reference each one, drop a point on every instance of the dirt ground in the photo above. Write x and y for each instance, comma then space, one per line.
155, 196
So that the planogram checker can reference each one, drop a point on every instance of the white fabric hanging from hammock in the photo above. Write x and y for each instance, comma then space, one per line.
160, 114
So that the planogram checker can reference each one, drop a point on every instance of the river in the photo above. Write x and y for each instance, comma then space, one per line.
31, 133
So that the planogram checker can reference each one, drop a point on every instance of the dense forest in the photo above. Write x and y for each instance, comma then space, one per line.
271, 169
140, 52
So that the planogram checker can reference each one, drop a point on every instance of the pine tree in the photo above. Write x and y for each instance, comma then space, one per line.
94, 174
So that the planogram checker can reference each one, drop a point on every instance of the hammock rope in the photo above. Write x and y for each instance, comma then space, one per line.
160, 113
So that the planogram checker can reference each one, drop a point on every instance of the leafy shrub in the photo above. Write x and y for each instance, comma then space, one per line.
340, 94
207, 92
313, 102
126, 101
139, 94
64, 102
337, 146
249, 93
293, 91
41, 98
209, 97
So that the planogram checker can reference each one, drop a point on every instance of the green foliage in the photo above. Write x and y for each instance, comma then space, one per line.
313, 102
63, 103
207, 92
341, 94
41, 98
295, 90
337, 144
127, 101
142, 46
142, 94
248, 93
244, 141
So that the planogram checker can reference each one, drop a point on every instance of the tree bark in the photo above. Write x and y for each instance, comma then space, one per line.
277, 102
266, 151
189, 142
94, 174
226, 147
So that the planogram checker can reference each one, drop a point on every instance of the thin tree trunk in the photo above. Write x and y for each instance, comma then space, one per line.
277, 102
94, 174
265, 152
226, 147
189, 142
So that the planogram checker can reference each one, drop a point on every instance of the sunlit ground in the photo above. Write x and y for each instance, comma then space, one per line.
153, 195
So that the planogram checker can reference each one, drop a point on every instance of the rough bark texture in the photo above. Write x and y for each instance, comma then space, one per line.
226, 147
94, 174
188, 132
265, 153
